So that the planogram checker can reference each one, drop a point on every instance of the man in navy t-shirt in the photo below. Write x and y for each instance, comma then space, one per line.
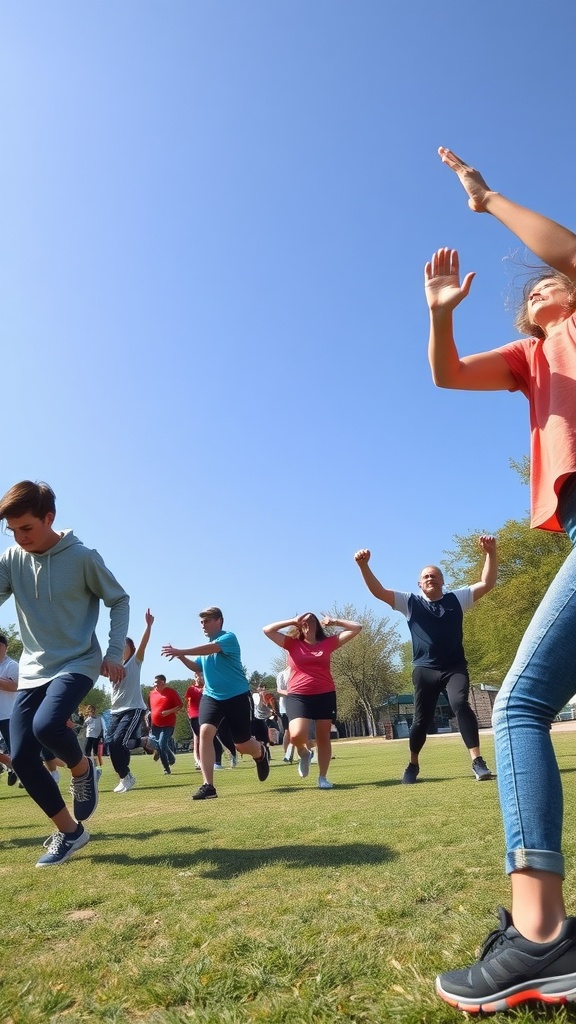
439, 663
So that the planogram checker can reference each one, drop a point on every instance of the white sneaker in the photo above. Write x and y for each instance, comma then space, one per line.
55, 775
323, 783
233, 761
304, 763
218, 768
128, 782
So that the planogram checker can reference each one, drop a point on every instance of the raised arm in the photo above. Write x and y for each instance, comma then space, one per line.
348, 629
486, 371
149, 619
362, 558
490, 570
274, 631
549, 241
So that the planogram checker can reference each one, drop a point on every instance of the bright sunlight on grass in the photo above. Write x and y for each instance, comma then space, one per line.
276, 902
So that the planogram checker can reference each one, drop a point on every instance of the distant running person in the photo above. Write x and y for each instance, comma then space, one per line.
127, 710
226, 697
439, 663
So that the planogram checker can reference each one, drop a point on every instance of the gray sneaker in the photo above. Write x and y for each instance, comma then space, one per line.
513, 970
481, 770
304, 763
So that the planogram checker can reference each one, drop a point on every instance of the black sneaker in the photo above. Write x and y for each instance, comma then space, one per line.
263, 764
85, 794
12, 777
481, 770
206, 792
513, 970
411, 774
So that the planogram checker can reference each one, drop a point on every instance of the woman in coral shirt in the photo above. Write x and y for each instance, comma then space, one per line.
311, 692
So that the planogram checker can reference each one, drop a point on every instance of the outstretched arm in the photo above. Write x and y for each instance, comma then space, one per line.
490, 570
176, 652
194, 666
549, 241
362, 558
149, 619
486, 371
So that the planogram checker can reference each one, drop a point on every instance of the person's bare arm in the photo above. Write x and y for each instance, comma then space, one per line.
485, 371
274, 630
175, 652
548, 240
149, 619
362, 558
348, 628
490, 569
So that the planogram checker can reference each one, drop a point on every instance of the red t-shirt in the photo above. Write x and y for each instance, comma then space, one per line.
310, 665
159, 702
193, 697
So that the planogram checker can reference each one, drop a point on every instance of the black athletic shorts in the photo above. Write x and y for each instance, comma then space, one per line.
236, 711
318, 707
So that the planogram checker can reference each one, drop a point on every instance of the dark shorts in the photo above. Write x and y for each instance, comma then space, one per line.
236, 711
284, 720
260, 729
318, 707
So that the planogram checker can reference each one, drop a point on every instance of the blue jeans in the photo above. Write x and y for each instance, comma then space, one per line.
162, 736
540, 682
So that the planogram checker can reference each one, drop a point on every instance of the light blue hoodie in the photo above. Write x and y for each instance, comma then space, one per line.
57, 597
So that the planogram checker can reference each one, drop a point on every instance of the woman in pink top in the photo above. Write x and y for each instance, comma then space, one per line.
532, 955
311, 692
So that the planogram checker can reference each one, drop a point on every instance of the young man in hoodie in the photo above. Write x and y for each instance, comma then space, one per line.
57, 585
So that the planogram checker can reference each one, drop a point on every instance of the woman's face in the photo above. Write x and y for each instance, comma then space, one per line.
309, 627
548, 302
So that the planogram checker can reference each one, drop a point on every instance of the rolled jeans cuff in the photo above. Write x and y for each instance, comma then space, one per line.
535, 860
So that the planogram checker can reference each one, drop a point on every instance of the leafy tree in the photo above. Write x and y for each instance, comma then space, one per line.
258, 679
365, 670
99, 698
528, 561
14, 647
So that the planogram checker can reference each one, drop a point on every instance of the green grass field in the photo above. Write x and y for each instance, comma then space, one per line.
276, 902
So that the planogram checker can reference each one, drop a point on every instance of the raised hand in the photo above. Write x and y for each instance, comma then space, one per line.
488, 543
442, 282
471, 180
362, 556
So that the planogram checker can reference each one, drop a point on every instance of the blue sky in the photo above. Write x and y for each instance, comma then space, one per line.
215, 216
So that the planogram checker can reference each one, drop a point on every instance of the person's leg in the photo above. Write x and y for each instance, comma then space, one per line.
457, 691
537, 939
427, 688
324, 745
123, 728
164, 737
218, 750
225, 737
207, 736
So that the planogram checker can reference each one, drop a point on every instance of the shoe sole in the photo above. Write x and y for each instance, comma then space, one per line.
213, 796
485, 778
545, 990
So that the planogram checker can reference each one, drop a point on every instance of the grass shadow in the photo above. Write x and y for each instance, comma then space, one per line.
231, 863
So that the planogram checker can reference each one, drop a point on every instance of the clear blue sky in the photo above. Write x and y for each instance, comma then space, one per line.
215, 216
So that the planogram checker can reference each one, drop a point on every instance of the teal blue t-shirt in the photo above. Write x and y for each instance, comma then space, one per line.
224, 675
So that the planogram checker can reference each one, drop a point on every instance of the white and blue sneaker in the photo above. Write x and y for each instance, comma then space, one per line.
304, 763
85, 793
63, 845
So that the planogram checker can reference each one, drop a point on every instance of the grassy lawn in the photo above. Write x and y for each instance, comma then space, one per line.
276, 902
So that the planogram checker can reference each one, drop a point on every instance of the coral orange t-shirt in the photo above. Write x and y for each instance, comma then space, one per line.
310, 665
545, 370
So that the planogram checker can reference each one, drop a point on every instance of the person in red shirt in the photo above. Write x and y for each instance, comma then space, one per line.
311, 692
165, 703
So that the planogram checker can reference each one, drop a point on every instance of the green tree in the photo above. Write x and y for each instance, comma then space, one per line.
528, 561
365, 670
14, 647
99, 698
